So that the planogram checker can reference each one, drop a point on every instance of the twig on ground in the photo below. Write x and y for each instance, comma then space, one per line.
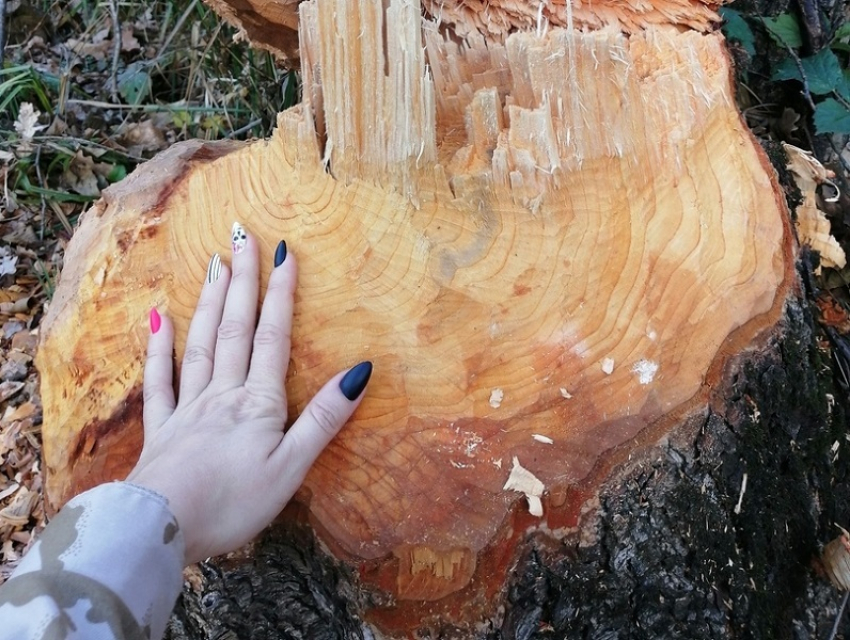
2, 30
116, 48
810, 13
247, 127
806, 92
41, 184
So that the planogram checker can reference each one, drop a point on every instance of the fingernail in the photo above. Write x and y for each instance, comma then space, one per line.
156, 321
280, 253
214, 268
353, 382
238, 237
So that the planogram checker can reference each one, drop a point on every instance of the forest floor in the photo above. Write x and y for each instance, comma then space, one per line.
88, 91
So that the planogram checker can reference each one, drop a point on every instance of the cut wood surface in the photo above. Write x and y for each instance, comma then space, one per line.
563, 234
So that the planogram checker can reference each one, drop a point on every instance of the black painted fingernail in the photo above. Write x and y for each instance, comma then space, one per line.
353, 382
280, 253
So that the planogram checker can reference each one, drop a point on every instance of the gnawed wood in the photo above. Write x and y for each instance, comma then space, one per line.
472, 217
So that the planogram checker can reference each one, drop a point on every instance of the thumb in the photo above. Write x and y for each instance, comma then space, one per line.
321, 420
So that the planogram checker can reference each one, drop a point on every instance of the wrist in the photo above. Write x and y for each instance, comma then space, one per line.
154, 483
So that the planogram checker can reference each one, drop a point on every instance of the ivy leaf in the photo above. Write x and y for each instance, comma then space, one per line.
736, 28
823, 72
832, 117
784, 29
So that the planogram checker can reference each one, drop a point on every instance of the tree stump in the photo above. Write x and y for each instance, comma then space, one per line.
550, 240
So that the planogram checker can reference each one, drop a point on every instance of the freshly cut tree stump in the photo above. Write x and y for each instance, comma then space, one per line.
549, 243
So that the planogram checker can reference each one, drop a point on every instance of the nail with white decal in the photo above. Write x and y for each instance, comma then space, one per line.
239, 238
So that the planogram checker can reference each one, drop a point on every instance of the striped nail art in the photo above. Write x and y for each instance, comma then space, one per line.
239, 238
214, 268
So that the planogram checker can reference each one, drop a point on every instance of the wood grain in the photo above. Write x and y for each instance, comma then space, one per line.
561, 235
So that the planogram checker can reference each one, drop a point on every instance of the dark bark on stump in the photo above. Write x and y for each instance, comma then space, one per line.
666, 556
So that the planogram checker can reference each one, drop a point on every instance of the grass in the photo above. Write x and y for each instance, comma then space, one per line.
108, 103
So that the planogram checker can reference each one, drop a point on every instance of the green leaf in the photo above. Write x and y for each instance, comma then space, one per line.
832, 117
823, 72
736, 28
117, 173
134, 83
842, 32
784, 29
181, 119
843, 87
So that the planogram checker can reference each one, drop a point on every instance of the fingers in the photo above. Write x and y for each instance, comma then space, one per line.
270, 357
321, 420
197, 368
236, 331
158, 378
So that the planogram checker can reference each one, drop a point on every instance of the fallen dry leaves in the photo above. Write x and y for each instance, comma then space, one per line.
22, 297
813, 226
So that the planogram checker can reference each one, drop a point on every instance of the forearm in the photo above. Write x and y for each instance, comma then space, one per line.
109, 565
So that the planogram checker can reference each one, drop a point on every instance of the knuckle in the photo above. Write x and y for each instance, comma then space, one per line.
153, 392
266, 402
268, 334
232, 329
205, 303
197, 354
324, 417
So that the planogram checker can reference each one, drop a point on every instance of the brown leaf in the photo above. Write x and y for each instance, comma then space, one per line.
13, 370
143, 136
9, 388
21, 412
128, 40
80, 176
99, 47
25, 341
20, 305
833, 314
18, 513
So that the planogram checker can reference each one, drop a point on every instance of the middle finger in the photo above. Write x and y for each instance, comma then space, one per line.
236, 331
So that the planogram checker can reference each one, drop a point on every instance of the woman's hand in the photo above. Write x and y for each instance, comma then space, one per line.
219, 454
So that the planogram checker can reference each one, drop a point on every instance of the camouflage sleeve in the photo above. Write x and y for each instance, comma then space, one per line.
108, 566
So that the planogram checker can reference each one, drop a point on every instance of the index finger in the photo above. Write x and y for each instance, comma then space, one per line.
272, 339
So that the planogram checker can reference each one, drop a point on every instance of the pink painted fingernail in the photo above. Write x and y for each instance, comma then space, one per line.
238, 237
156, 321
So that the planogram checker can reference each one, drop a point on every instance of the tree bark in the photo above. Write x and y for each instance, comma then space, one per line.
554, 245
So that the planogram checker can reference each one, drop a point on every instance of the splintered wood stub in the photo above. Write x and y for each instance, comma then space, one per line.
545, 245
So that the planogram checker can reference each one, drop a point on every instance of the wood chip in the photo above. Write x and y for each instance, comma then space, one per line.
496, 397
523, 481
